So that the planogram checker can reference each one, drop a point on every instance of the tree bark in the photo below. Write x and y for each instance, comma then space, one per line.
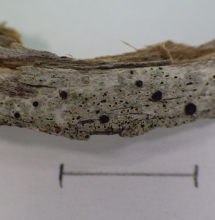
166, 84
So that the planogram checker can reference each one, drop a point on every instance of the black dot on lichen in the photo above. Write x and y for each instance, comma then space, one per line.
131, 72
103, 119
157, 96
190, 109
35, 103
139, 83
16, 115
63, 94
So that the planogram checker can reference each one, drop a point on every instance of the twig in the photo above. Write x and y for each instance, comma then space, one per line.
166, 84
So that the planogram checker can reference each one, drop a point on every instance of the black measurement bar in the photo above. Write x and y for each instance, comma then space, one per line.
194, 175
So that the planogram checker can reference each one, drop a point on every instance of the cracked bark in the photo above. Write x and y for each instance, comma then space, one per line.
166, 84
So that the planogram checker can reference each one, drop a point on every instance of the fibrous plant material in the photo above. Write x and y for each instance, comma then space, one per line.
166, 84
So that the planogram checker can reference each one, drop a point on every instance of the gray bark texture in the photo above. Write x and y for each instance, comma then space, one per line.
166, 84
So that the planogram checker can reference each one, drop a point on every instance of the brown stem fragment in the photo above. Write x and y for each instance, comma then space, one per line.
166, 84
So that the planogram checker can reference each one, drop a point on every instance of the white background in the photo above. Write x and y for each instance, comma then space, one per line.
29, 160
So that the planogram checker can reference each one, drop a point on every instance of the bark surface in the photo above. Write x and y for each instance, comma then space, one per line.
166, 84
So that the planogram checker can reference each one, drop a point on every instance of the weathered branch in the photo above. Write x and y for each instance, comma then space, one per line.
167, 84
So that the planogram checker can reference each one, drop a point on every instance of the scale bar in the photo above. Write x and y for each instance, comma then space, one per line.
194, 175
